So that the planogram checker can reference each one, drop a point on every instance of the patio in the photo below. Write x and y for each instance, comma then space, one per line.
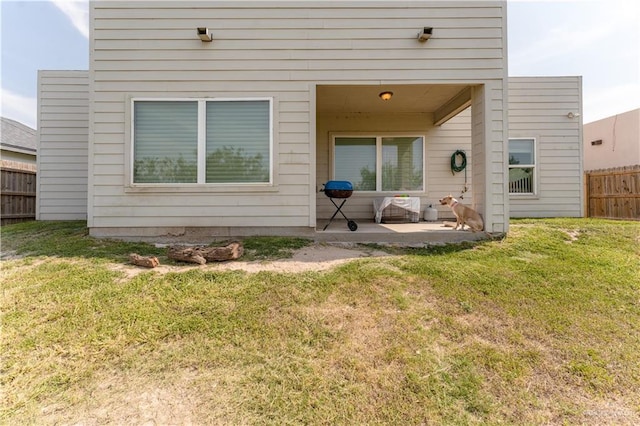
422, 233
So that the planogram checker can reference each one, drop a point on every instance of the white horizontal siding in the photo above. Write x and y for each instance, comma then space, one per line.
538, 108
174, 70
248, 56
274, 49
478, 131
311, 11
63, 123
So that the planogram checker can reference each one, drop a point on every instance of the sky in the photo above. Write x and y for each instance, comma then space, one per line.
596, 39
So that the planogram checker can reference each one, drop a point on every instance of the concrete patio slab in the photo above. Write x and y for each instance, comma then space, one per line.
426, 233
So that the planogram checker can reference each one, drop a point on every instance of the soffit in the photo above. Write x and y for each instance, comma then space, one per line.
411, 98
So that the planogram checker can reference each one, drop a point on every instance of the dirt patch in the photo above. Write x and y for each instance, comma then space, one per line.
573, 236
610, 412
10, 255
316, 257
134, 399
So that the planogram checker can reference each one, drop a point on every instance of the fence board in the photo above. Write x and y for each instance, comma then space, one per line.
18, 199
613, 193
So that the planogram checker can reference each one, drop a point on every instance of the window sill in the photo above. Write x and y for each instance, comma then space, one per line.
198, 189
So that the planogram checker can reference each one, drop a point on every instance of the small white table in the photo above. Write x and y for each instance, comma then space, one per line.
411, 204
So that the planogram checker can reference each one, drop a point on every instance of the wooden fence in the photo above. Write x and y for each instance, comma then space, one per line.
18, 189
613, 193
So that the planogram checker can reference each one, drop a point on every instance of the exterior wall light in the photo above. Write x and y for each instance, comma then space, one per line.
204, 34
385, 96
425, 34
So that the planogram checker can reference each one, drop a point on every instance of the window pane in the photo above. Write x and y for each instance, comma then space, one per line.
521, 151
355, 161
521, 180
402, 164
238, 141
165, 142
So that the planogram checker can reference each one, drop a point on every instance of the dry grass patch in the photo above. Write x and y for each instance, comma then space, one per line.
527, 330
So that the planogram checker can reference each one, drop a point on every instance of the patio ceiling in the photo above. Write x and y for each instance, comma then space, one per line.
440, 99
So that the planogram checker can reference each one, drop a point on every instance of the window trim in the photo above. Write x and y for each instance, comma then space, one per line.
201, 183
379, 136
536, 158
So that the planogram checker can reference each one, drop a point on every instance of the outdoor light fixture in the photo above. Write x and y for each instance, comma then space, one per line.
425, 34
204, 34
573, 115
385, 96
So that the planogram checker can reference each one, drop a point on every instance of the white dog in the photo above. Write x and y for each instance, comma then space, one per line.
464, 215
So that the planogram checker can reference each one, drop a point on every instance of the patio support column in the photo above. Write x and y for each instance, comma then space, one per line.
312, 154
488, 152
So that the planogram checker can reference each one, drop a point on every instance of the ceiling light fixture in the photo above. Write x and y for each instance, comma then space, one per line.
385, 96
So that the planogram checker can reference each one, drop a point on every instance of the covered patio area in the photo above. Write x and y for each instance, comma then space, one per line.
402, 147
421, 233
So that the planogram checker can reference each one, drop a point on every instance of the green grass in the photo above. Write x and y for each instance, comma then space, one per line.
257, 248
542, 327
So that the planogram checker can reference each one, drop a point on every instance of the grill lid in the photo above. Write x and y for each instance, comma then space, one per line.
338, 185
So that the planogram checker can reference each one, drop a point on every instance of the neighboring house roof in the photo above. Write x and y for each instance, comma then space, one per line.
17, 137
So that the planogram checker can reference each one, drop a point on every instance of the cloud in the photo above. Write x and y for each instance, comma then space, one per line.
591, 22
557, 43
18, 107
77, 12
598, 103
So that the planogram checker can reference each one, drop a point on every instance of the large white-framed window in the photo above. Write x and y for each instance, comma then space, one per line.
381, 163
202, 141
522, 166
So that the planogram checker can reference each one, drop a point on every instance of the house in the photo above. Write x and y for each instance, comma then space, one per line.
545, 147
612, 167
18, 158
63, 140
18, 145
226, 118
613, 141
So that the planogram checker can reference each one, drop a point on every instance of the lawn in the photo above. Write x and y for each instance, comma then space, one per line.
542, 327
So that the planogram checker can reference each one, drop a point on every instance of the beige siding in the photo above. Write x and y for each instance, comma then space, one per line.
539, 108
269, 49
63, 121
479, 149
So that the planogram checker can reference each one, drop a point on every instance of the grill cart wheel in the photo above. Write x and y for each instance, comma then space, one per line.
352, 225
